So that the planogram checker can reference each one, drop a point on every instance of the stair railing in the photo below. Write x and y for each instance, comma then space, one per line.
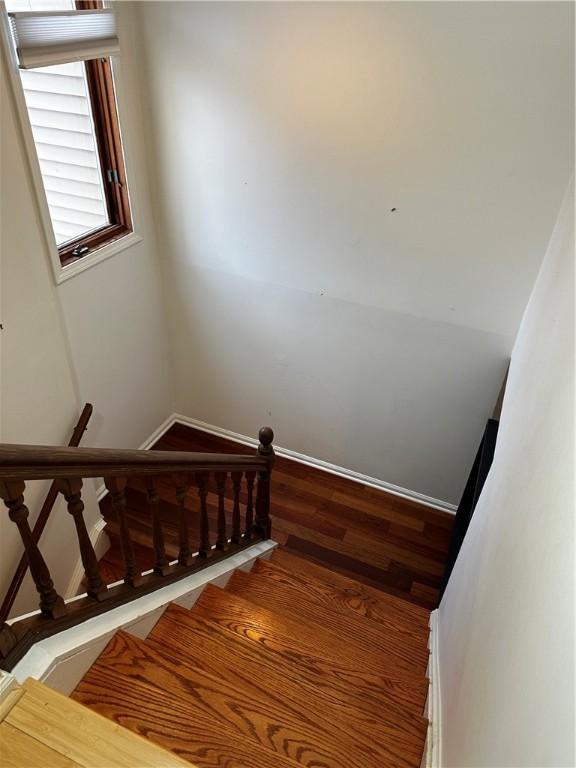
41, 520
68, 467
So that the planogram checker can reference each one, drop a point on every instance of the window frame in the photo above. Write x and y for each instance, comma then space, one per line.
103, 102
110, 246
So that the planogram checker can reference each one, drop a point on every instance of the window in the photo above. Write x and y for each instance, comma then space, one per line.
74, 120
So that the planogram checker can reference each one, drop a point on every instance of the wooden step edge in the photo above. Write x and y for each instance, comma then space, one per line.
146, 752
287, 559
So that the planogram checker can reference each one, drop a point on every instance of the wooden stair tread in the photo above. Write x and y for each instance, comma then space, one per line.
318, 683
198, 716
334, 715
81, 737
238, 702
392, 622
19, 750
278, 590
250, 587
316, 652
374, 603
401, 631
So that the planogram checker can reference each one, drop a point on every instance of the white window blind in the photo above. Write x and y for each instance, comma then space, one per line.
62, 124
47, 38
61, 119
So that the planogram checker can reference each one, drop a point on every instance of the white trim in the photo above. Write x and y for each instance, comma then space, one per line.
432, 756
101, 543
100, 254
62, 660
333, 469
158, 433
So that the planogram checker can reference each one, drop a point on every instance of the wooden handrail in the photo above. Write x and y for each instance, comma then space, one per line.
42, 519
188, 471
39, 462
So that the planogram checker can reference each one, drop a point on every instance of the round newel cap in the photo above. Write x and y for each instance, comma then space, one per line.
266, 435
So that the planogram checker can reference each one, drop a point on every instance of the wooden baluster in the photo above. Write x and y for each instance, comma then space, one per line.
221, 540
72, 492
51, 604
250, 477
204, 546
236, 481
265, 450
116, 486
161, 563
185, 553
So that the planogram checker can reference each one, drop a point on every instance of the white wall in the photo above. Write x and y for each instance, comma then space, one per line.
99, 337
115, 312
283, 135
506, 622
39, 401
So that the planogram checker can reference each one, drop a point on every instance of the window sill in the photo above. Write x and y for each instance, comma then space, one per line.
100, 254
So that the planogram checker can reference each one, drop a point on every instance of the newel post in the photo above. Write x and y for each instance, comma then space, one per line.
51, 604
265, 450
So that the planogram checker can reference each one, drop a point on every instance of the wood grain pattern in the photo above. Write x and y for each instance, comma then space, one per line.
18, 750
403, 638
207, 646
245, 585
316, 716
201, 716
365, 600
289, 665
53, 725
216, 707
371, 536
316, 652
275, 589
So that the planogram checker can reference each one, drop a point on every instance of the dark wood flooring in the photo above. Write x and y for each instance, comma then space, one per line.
372, 536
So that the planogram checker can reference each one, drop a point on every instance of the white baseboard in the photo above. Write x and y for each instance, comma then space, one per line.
62, 660
433, 749
350, 474
101, 543
333, 469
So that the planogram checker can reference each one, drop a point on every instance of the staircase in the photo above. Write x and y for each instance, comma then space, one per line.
291, 664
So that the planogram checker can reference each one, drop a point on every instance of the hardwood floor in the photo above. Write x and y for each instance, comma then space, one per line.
282, 668
313, 650
374, 537
39, 728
